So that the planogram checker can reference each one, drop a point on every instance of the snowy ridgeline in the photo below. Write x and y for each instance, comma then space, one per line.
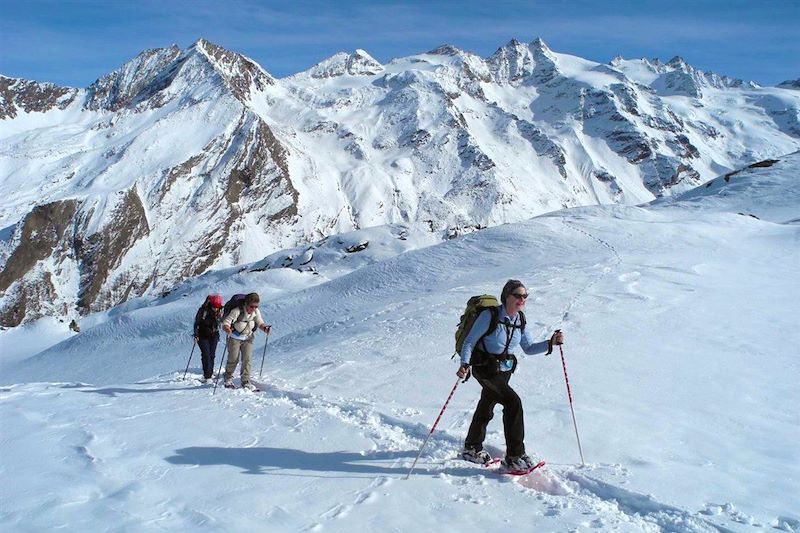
186, 161
681, 350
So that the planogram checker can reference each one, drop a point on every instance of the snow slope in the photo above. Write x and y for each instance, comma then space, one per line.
681, 350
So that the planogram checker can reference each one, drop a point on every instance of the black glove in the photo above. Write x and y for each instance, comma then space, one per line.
464, 372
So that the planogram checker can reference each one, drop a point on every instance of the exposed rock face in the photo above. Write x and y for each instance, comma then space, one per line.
102, 249
39, 233
44, 232
185, 160
102, 252
29, 96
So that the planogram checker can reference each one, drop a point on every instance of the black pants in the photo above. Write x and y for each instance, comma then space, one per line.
495, 389
208, 348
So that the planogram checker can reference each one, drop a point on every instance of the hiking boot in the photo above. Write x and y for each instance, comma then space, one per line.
480, 457
229, 384
249, 386
519, 463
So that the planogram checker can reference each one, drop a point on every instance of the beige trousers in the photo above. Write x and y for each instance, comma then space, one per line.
235, 348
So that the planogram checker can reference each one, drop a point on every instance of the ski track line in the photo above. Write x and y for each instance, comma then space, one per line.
387, 432
633, 506
614, 263
627, 506
559, 488
379, 428
608, 506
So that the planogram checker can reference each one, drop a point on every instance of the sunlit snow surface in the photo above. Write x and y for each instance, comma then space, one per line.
682, 353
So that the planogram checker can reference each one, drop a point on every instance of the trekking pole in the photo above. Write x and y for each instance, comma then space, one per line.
194, 343
216, 380
569, 395
263, 357
458, 380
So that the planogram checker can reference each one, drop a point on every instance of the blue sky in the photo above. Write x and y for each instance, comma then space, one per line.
72, 42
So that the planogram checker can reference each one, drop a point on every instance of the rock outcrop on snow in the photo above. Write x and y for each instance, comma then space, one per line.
23, 96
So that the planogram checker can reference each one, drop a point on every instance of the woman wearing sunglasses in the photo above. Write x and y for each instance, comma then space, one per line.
488, 354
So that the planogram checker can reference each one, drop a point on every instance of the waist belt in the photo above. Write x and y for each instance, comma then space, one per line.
484, 355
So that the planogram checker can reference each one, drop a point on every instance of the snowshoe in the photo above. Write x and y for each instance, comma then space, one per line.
520, 465
480, 457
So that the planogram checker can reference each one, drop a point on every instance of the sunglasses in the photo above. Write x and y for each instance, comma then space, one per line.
520, 295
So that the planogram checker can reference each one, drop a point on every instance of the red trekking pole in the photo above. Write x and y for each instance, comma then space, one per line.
569, 395
458, 380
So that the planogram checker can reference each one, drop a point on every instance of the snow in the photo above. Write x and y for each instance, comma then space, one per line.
680, 322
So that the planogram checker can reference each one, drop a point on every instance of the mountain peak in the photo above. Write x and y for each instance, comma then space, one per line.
512, 62
540, 45
679, 63
516, 61
238, 70
152, 71
446, 50
700, 78
358, 63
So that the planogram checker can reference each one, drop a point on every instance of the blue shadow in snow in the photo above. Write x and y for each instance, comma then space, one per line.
114, 391
265, 460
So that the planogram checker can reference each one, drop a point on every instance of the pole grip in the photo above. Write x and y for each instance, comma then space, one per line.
550, 344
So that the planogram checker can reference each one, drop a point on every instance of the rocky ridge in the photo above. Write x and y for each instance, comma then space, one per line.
185, 160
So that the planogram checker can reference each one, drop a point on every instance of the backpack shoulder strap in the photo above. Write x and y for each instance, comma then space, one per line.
492, 325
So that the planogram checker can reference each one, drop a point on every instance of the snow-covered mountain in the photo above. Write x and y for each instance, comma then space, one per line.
681, 348
186, 160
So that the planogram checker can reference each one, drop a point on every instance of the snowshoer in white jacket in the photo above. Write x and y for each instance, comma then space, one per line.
240, 326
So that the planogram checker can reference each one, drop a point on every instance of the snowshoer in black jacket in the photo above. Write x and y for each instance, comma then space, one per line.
206, 331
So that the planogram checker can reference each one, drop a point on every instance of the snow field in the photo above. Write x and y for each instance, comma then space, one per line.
681, 353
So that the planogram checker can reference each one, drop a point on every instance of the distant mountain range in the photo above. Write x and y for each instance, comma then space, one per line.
186, 160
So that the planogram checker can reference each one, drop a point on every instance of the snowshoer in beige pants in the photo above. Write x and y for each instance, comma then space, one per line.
240, 325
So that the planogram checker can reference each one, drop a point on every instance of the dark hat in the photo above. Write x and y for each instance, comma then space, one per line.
510, 286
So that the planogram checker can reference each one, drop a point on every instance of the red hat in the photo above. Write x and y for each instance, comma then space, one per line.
215, 300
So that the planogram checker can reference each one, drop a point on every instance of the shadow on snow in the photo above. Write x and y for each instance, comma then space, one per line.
271, 460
